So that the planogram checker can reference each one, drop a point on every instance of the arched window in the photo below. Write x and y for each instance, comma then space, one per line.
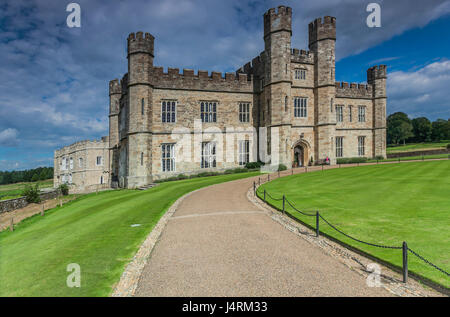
142, 158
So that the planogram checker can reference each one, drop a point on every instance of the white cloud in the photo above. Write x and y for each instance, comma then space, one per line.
423, 92
8, 137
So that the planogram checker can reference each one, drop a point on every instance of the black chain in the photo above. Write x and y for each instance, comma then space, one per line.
278, 199
428, 262
368, 243
303, 213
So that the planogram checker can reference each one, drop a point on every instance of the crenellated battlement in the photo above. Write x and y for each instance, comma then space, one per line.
376, 72
114, 87
353, 90
217, 81
321, 29
81, 145
140, 43
278, 20
302, 56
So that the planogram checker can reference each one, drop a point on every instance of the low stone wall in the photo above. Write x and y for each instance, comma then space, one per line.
17, 203
418, 153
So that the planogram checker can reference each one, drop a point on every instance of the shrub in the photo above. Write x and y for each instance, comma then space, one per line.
448, 146
379, 157
64, 189
182, 176
254, 165
351, 160
31, 193
282, 167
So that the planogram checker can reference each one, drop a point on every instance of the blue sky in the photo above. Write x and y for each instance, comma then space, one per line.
54, 88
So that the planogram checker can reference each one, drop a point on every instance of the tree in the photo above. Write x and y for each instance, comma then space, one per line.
421, 129
399, 128
440, 130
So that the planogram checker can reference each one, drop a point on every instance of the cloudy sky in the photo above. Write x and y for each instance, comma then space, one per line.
54, 87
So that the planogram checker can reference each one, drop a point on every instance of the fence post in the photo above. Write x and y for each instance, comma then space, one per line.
11, 225
317, 224
292, 171
264, 195
399, 159
259, 180
268, 177
306, 169
322, 167
42, 211
405, 262
254, 188
283, 203
60, 201
278, 174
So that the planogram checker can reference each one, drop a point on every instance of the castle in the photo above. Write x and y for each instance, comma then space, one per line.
283, 108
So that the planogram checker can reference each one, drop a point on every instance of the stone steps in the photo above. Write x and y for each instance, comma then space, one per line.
148, 186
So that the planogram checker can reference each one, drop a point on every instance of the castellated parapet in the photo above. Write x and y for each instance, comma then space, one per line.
376, 72
322, 29
278, 20
353, 90
172, 79
138, 43
302, 56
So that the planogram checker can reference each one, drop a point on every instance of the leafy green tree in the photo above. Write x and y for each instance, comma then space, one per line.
421, 129
440, 130
399, 128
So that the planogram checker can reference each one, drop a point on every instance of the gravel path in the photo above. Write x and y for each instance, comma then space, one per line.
218, 243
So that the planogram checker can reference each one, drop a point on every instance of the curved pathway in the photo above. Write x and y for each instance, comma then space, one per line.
218, 243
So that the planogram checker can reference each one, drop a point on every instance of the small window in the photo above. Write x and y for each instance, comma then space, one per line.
208, 155
300, 73
99, 161
339, 146
339, 114
244, 152
80, 162
142, 106
168, 157
361, 113
101, 180
262, 84
300, 107
70, 178
350, 114
208, 111
286, 104
168, 111
244, 112
71, 163
361, 145
142, 158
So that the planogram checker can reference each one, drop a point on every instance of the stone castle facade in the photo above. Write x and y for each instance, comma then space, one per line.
283, 107
84, 165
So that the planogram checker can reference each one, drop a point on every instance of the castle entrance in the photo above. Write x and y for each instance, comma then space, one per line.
299, 154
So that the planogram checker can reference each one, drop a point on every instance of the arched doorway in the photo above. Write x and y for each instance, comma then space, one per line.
300, 154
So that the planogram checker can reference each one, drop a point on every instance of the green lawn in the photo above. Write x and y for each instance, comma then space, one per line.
15, 190
94, 231
412, 158
382, 204
416, 147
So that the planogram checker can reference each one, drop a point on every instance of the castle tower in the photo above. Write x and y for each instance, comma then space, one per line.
322, 42
140, 63
377, 76
277, 90
115, 93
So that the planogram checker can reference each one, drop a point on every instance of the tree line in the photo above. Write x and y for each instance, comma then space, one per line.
401, 129
32, 175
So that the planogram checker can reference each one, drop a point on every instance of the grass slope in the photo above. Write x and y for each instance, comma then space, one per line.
10, 191
94, 231
382, 204
416, 147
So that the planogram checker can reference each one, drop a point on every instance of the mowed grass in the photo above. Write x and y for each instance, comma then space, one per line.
10, 191
416, 147
94, 231
382, 204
